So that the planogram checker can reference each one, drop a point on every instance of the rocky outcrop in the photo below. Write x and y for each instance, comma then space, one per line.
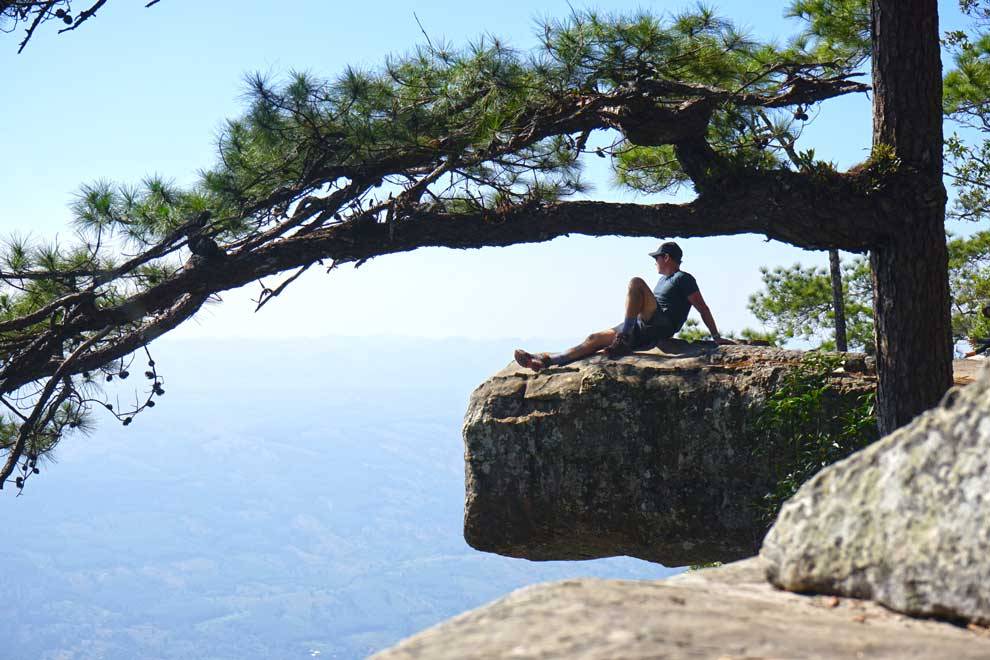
656, 456
727, 612
906, 522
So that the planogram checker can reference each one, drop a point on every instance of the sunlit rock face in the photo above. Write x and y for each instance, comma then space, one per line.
726, 612
905, 522
657, 455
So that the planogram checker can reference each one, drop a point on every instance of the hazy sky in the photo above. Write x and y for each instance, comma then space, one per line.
140, 91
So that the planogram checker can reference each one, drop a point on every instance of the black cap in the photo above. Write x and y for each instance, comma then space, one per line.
671, 248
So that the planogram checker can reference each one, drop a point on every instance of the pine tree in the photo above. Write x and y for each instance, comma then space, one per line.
482, 146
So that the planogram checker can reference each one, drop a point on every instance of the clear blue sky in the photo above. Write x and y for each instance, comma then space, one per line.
139, 91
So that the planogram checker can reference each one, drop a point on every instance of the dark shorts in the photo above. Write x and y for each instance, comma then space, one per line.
646, 334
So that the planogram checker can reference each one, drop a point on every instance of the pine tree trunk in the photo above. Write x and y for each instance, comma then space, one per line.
838, 303
910, 267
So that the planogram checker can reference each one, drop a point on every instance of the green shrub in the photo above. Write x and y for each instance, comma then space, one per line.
810, 424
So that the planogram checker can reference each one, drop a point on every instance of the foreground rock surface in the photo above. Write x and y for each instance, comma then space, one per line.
727, 612
905, 522
656, 456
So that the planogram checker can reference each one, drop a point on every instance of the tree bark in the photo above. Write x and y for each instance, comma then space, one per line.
838, 302
910, 265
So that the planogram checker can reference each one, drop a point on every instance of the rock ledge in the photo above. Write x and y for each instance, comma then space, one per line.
727, 612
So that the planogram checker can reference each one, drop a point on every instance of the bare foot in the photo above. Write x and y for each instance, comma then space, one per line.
530, 361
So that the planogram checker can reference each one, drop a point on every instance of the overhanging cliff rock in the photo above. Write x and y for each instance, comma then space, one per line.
658, 455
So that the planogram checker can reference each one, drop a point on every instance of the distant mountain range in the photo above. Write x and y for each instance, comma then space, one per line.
289, 499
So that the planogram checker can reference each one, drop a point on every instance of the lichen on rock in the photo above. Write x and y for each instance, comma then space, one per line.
905, 522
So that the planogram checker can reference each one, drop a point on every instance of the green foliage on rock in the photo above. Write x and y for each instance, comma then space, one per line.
809, 425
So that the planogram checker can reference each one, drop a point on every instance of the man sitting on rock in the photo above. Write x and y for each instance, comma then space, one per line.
650, 316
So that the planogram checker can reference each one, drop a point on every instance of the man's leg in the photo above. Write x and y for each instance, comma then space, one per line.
639, 302
593, 343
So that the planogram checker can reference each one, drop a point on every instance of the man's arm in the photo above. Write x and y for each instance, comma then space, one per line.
706, 316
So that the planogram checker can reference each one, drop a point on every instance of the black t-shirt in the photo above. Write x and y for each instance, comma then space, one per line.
672, 297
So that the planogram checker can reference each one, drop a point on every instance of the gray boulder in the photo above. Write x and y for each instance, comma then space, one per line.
905, 522
656, 456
